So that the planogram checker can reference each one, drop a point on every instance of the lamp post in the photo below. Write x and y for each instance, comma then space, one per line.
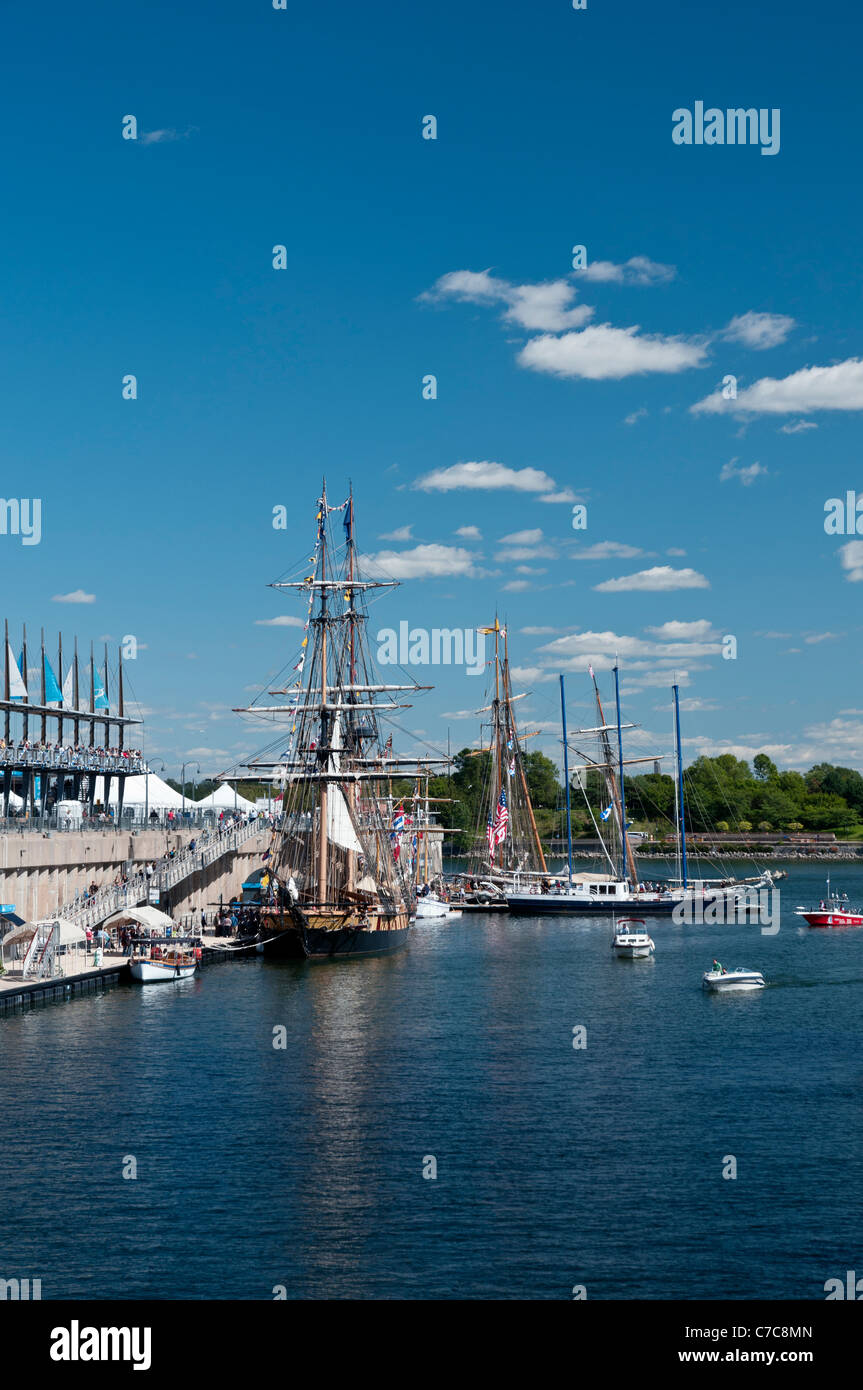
190, 763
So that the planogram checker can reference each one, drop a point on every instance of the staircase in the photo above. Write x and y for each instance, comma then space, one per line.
42, 960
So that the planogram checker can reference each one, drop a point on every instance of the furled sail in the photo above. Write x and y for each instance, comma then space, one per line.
340, 827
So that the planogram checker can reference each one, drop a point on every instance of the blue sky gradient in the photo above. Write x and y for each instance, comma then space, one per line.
303, 127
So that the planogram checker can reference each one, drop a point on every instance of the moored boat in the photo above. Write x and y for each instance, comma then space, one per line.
153, 963
339, 876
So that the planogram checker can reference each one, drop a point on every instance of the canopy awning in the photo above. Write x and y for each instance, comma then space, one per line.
70, 934
144, 916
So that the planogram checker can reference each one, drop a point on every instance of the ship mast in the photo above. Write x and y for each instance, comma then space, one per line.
323, 750
519, 763
627, 855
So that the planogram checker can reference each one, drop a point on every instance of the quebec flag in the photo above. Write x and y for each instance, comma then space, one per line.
100, 699
605, 814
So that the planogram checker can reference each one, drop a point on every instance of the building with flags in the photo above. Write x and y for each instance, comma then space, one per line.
64, 727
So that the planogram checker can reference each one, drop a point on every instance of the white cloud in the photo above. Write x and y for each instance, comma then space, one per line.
604, 352
661, 578
589, 645
636, 415
159, 137
797, 426
469, 533
523, 537
811, 388
76, 596
423, 562
638, 270
564, 495
532, 675
524, 552
403, 533
817, 637
485, 477
607, 550
746, 475
851, 559
758, 331
674, 631
547, 306
283, 620
675, 550
516, 586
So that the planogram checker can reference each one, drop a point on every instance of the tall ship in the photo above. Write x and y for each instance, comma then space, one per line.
507, 842
339, 879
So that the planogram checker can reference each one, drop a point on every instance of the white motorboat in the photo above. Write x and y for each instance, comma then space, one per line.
154, 964
722, 981
431, 908
631, 940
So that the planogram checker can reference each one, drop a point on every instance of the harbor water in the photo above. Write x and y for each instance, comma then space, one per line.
261, 1167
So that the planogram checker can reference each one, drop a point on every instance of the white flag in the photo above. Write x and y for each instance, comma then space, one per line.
17, 688
69, 689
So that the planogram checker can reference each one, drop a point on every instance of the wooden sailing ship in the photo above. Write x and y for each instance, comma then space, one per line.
510, 845
340, 878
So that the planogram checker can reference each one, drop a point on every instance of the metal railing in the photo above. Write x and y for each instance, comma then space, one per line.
168, 873
69, 760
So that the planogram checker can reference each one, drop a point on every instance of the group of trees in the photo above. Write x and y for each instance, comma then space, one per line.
722, 794
725, 793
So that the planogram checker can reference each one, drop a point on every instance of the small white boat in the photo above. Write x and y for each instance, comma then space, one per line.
431, 908
155, 964
723, 981
631, 940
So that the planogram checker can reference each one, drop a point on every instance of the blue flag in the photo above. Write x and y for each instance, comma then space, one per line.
53, 693
100, 699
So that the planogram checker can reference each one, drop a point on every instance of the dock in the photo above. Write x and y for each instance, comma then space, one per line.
16, 993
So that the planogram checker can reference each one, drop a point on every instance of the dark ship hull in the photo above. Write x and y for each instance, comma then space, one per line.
343, 936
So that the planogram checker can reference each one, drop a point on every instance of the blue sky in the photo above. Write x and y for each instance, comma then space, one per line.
406, 257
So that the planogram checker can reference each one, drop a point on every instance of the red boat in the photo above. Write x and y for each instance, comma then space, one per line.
832, 911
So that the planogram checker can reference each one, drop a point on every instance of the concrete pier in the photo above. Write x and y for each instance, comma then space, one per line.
40, 873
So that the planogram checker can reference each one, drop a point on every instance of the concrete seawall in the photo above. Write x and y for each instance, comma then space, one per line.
39, 872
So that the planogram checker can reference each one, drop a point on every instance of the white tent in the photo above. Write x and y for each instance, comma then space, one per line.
142, 790
144, 916
70, 934
224, 798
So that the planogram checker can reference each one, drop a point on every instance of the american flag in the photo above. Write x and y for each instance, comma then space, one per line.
489, 835
501, 820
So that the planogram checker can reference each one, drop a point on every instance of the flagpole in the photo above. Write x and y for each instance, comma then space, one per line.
681, 823
566, 780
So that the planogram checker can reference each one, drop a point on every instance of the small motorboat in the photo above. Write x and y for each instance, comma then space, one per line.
722, 981
631, 940
431, 908
832, 911
153, 963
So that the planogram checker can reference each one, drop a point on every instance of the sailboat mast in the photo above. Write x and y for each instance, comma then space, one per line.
612, 781
324, 732
566, 780
623, 836
681, 818
517, 752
